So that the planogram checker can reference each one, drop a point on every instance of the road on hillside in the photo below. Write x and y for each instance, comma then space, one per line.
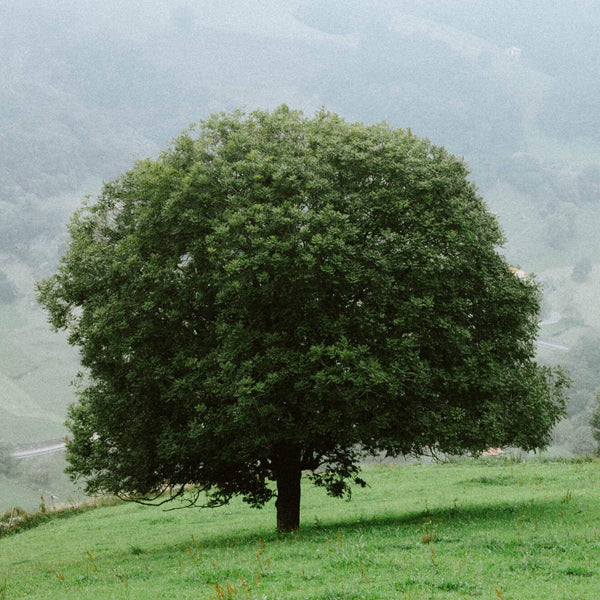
548, 343
38, 451
552, 318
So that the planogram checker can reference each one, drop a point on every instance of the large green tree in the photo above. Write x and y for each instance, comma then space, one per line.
276, 294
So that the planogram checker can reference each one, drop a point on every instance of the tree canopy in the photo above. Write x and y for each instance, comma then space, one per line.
277, 294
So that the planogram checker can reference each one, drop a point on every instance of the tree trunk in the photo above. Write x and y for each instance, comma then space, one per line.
288, 497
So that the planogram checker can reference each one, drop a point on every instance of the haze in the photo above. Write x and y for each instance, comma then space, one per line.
89, 86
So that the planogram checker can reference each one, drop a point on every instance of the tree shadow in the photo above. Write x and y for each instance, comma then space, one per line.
497, 514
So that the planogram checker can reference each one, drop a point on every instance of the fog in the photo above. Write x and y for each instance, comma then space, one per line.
89, 86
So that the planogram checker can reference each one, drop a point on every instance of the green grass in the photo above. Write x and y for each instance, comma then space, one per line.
465, 530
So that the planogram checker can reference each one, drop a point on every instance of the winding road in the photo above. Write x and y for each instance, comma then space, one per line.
38, 451
548, 343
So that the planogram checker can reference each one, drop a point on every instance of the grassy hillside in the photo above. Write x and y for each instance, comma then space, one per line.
36, 364
502, 529
36, 368
24, 482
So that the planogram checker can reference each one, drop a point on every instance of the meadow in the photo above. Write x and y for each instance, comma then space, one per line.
493, 528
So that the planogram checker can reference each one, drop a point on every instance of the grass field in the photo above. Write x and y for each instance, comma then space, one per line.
503, 529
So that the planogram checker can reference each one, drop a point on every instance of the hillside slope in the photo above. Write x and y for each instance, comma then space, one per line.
443, 532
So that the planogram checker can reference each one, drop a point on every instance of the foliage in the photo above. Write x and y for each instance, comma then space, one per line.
595, 424
581, 270
7, 462
574, 433
278, 291
561, 226
589, 183
8, 290
17, 519
582, 362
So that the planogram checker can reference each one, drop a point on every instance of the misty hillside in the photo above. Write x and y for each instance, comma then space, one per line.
89, 87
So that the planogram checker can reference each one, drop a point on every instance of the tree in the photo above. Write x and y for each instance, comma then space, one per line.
582, 269
589, 184
595, 424
7, 462
277, 294
8, 290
